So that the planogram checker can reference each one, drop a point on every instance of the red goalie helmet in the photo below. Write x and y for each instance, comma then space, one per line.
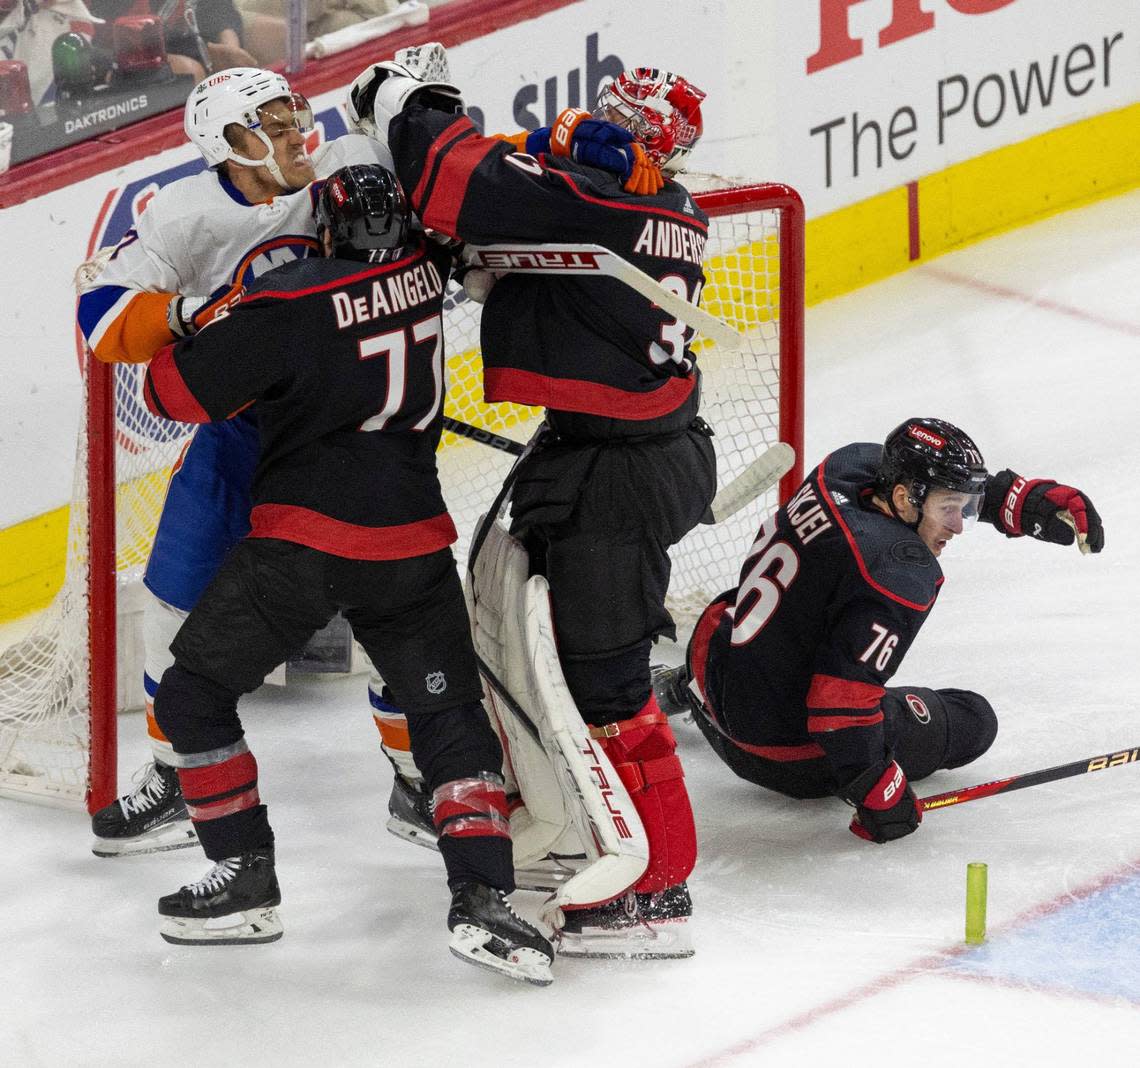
661, 110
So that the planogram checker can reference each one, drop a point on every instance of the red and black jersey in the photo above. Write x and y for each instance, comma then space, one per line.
793, 662
343, 362
573, 344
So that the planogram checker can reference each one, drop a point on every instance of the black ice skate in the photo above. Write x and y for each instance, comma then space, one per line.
633, 927
231, 905
150, 819
409, 813
487, 931
670, 685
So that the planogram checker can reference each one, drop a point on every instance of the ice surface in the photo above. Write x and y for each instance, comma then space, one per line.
813, 948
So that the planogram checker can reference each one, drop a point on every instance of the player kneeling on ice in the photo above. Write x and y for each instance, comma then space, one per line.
624, 469
788, 672
347, 515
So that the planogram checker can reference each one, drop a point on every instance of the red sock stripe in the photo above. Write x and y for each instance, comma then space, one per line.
220, 789
465, 808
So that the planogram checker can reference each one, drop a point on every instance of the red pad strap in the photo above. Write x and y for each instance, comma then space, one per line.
642, 774
624, 726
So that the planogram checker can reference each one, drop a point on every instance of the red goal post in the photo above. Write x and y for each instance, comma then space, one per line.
63, 681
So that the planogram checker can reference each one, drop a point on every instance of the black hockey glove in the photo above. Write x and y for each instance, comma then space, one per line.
1042, 509
885, 805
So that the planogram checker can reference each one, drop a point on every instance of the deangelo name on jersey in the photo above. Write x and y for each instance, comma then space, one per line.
394, 293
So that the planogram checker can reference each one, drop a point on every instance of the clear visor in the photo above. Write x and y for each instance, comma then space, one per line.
287, 113
955, 510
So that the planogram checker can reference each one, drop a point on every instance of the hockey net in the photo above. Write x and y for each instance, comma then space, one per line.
64, 677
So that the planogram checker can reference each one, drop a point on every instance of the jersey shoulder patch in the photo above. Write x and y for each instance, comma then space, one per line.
889, 556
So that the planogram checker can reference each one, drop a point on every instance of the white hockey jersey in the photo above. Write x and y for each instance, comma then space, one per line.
199, 237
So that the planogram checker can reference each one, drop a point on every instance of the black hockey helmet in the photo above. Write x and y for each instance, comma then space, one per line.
922, 453
365, 210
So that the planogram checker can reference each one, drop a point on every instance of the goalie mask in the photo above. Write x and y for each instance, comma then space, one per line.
365, 211
239, 96
661, 110
924, 454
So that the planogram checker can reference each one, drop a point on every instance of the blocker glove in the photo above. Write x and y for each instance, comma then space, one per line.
601, 144
1042, 509
885, 805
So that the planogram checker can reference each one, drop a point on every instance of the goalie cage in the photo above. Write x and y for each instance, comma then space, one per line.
79, 661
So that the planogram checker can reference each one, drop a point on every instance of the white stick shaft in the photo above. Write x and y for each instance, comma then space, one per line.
594, 259
757, 478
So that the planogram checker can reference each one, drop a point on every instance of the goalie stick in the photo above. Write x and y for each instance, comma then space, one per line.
594, 259
757, 478
1031, 778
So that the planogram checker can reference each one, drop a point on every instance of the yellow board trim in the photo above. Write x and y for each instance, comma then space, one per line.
846, 249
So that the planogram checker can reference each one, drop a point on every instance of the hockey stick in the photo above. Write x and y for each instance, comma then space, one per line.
484, 437
594, 259
1030, 778
757, 478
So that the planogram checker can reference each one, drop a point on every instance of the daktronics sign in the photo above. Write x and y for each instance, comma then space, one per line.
908, 19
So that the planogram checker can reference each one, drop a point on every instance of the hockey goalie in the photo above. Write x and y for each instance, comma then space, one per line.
578, 792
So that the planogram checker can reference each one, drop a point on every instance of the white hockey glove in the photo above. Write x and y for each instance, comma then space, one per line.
383, 90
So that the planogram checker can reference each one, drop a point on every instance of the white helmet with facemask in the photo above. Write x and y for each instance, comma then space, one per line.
237, 96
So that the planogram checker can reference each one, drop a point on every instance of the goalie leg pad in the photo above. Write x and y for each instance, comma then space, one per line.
642, 750
568, 785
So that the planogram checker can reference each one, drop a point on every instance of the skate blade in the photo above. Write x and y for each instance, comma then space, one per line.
526, 965
411, 832
251, 927
667, 940
178, 835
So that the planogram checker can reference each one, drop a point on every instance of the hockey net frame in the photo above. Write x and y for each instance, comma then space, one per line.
62, 684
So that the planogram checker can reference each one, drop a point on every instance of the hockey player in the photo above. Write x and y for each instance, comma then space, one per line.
344, 357
200, 241
625, 467
789, 670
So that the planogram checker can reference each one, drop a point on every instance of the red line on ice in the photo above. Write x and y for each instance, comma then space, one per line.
927, 965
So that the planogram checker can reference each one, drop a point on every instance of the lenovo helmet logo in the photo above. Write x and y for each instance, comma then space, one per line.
925, 436
908, 18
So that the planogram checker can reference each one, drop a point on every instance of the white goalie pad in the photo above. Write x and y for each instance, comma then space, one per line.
573, 799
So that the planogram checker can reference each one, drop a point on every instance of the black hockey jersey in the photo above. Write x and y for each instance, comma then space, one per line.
345, 363
573, 344
831, 595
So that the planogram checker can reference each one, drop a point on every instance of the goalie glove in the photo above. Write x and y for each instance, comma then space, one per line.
1042, 509
382, 90
600, 144
885, 805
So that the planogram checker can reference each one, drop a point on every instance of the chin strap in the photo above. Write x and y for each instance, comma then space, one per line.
269, 163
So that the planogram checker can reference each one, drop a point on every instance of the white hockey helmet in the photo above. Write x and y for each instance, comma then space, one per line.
236, 95
661, 110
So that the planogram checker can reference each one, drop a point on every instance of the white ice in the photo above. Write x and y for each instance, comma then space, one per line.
813, 948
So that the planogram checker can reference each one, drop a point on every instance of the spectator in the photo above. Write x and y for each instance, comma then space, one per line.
265, 21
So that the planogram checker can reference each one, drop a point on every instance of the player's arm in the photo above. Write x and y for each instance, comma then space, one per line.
478, 188
845, 717
219, 371
576, 134
132, 303
1043, 509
